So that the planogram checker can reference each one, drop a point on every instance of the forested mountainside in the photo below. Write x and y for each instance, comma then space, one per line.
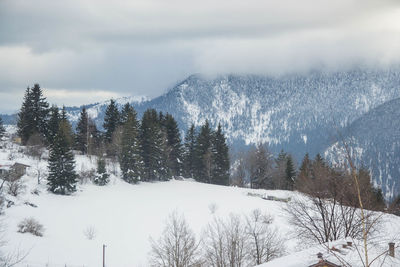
374, 140
297, 113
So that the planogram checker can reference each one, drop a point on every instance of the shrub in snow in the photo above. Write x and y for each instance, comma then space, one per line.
90, 232
212, 207
15, 187
101, 177
30, 225
85, 176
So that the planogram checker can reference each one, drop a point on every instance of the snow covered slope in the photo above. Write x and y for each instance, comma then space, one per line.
122, 215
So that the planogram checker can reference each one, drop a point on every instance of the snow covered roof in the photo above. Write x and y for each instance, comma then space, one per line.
339, 255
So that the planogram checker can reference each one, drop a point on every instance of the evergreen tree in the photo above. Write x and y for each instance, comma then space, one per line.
189, 156
220, 171
66, 125
82, 132
94, 141
126, 110
101, 177
306, 166
33, 116
280, 170
62, 177
174, 146
290, 173
87, 135
130, 158
2, 129
53, 124
111, 120
153, 147
25, 122
203, 154
261, 166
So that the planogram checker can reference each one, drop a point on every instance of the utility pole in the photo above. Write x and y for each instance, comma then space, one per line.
104, 255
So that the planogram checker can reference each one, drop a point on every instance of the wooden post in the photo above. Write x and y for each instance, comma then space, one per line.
104, 255
391, 249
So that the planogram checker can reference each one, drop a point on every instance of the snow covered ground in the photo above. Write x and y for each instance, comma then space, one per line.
123, 216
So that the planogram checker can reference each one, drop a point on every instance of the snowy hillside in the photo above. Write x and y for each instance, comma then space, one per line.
123, 216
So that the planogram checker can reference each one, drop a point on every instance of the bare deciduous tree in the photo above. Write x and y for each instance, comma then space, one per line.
177, 247
225, 242
264, 243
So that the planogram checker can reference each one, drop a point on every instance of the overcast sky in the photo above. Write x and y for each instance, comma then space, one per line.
84, 51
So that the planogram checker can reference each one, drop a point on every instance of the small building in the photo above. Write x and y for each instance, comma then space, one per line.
13, 171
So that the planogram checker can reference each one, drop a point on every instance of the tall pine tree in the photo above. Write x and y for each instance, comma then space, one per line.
290, 173
62, 177
189, 155
126, 110
2, 129
82, 132
153, 147
111, 120
220, 171
174, 146
64, 122
203, 161
33, 116
130, 157
25, 122
53, 124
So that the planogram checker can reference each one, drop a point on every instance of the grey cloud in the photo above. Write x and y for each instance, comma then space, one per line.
142, 47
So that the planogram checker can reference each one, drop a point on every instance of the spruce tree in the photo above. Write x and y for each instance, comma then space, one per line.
290, 173
33, 116
62, 177
111, 120
280, 170
82, 132
203, 154
174, 145
64, 122
25, 122
40, 109
220, 171
130, 158
153, 147
53, 124
101, 177
2, 129
260, 162
189, 156
126, 110
94, 141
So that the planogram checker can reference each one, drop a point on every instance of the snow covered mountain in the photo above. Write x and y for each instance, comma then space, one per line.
297, 113
374, 139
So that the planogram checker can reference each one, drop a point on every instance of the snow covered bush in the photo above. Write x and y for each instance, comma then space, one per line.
31, 225
177, 246
85, 176
213, 207
15, 187
90, 232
